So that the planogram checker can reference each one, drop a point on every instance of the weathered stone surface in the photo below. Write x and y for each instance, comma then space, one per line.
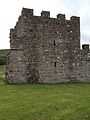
47, 50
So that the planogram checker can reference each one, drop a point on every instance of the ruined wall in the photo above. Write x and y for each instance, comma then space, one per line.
16, 67
49, 48
84, 68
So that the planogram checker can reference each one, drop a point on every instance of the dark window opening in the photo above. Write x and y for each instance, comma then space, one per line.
54, 43
30, 30
54, 64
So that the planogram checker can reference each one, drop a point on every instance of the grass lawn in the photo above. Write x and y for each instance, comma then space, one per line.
3, 56
44, 102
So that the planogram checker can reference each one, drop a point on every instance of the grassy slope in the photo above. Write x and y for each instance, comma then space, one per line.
3, 52
2, 75
44, 102
3, 55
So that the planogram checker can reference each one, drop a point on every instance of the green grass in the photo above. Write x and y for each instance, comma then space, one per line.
44, 102
3, 55
2, 74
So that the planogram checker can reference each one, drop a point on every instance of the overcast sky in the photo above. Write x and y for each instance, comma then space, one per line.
11, 9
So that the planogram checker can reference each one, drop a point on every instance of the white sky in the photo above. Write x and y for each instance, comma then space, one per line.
11, 9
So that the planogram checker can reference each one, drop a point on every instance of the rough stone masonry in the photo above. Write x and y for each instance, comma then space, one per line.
47, 50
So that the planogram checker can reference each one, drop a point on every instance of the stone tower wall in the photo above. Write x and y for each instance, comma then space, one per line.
49, 48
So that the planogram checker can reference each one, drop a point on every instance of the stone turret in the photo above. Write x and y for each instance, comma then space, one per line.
61, 17
45, 14
27, 12
85, 47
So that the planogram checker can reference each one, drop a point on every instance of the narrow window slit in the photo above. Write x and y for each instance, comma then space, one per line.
54, 43
54, 64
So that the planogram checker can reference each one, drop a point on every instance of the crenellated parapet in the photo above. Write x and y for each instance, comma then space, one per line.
27, 12
75, 19
45, 14
61, 17
86, 47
